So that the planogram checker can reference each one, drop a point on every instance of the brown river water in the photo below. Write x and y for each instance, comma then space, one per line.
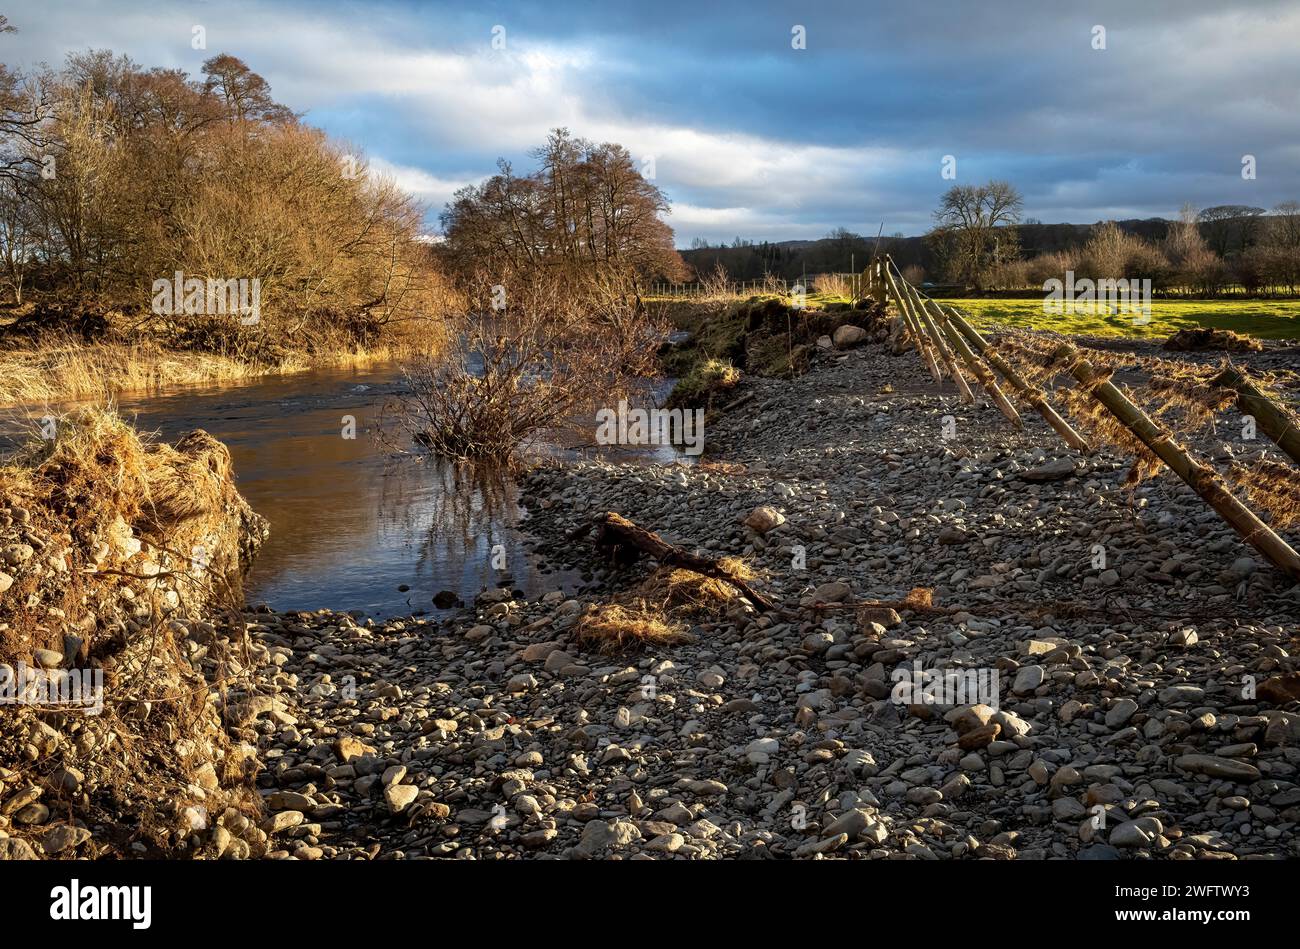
351, 522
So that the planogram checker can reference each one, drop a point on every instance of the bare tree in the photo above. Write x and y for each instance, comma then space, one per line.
1194, 265
23, 113
1278, 255
551, 265
587, 212
1229, 228
975, 228
16, 243
246, 94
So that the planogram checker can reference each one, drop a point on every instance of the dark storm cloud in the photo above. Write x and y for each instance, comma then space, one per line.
752, 137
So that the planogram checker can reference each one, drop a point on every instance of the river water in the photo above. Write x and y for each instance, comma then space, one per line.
351, 522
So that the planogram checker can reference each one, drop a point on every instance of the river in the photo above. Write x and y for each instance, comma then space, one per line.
352, 524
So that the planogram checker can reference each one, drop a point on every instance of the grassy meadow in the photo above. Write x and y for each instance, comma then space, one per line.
1266, 319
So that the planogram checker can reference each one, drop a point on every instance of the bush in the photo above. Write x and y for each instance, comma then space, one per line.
539, 363
706, 380
159, 174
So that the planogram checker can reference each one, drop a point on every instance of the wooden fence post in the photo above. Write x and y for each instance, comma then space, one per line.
914, 328
944, 353
878, 289
977, 368
1199, 477
1273, 419
1030, 394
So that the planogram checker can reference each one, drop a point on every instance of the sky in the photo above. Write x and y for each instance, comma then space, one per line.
749, 135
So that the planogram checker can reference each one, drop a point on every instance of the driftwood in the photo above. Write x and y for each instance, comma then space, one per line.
625, 542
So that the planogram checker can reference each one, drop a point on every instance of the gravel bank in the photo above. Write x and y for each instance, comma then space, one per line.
1122, 723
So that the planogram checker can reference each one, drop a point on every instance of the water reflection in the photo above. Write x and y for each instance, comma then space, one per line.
351, 524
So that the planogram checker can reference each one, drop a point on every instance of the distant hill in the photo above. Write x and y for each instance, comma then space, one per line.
840, 254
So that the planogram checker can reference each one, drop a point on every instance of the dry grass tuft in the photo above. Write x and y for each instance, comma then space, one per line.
1273, 487
704, 384
90, 472
1103, 426
613, 628
920, 599
98, 468
688, 593
1185, 392
64, 367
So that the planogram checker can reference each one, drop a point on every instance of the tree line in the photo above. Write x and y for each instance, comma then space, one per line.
976, 242
114, 177
980, 241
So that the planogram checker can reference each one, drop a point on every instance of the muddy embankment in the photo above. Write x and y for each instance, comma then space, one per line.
115, 557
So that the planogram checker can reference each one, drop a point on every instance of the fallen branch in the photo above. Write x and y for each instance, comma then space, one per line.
625, 541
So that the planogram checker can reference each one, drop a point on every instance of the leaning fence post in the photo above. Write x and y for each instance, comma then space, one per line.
944, 353
914, 328
1199, 477
1274, 420
977, 368
1029, 393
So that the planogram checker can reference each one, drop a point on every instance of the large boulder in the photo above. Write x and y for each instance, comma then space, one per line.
848, 336
765, 518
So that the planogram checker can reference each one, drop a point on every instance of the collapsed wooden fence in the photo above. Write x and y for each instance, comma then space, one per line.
951, 348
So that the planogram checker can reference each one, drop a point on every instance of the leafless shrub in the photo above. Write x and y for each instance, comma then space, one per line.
834, 285
717, 285
528, 358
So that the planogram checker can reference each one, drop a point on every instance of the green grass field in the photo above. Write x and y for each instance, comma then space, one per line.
1267, 319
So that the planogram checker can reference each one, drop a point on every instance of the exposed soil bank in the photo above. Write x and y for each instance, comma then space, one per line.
117, 558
